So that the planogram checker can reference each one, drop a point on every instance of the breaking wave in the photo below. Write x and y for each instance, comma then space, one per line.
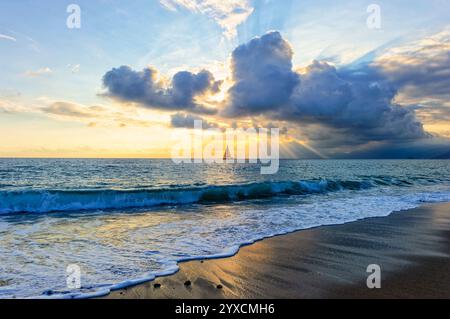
45, 201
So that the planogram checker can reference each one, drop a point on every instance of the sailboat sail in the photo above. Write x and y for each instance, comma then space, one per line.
227, 155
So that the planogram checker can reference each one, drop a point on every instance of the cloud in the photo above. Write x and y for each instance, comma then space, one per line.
40, 72
432, 148
181, 120
91, 115
358, 105
227, 14
69, 109
329, 110
9, 106
433, 112
7, 37
144, 88
263, 76
421, 69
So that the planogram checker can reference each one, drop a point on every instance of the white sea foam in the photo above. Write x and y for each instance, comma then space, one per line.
204, 235
125, 222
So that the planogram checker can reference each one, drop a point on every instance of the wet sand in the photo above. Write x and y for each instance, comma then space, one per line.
412, 247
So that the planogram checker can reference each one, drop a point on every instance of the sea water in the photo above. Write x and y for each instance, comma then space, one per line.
126, 221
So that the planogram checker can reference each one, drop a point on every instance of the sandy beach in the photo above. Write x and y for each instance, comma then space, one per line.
412, 248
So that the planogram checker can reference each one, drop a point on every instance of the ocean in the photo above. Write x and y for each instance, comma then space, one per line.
123, 222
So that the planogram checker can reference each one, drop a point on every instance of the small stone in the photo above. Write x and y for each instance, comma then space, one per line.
157, 285
188, 283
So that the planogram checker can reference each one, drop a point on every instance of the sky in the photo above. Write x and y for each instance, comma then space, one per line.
341, 80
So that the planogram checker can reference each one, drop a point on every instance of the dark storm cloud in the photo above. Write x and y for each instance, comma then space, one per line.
432, 148
181, 120
143, 88
342, 110
357, 104
263, 76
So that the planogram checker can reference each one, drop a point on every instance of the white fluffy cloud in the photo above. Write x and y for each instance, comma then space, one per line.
226, 13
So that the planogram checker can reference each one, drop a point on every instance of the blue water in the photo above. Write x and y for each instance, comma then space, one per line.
126, 221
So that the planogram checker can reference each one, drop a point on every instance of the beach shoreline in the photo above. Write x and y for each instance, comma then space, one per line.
412, 248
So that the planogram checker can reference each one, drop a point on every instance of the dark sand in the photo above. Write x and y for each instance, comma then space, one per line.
412, 247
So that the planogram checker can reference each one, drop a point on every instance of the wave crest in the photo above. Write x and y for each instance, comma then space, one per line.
44, 201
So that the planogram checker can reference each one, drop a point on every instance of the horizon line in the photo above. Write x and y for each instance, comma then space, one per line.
168, 158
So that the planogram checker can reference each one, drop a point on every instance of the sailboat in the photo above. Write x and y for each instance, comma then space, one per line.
227, 155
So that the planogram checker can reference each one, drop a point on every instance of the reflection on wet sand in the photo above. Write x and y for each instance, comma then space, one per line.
412, 248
